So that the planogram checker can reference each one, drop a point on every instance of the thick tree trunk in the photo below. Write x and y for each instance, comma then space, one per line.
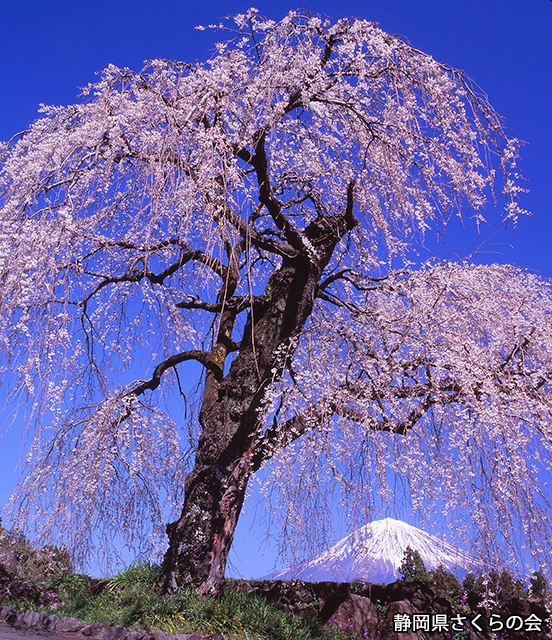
199, 541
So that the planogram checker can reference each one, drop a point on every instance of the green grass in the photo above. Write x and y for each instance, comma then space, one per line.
131, 599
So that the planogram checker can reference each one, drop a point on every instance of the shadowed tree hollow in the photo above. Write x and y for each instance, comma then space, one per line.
257, 214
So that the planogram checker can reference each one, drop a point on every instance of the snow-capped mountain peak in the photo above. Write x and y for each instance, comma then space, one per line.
375, 552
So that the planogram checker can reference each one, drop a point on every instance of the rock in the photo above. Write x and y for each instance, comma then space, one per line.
100, 631
15, 617
357, 613
5, 612
47, 622
31, 618
115, 633
517, 606
96, 630
158, 635
330, 603
96, 586
442, 605
69, 625
6, 579
473, 635
474, 599
15, 586
388, 627
27, 591
137, 634
418, 593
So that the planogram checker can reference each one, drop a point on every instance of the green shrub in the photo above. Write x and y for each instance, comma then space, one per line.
443, 580
22, 559
131, 599
539, 587
469, 581
502, 584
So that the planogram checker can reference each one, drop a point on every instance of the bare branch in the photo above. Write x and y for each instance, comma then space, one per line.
172, 361
260, 162
235, 303
138, 275
249, 233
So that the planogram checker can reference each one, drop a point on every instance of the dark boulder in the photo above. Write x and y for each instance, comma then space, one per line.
358, 614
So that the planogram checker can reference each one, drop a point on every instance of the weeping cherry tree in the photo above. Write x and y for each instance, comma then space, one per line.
256, 215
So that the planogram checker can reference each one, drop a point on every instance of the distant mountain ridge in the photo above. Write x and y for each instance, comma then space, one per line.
375, 552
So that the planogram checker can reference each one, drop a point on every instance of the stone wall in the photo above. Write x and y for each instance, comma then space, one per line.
369, 610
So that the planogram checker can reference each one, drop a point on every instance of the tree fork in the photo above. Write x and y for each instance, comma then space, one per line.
199, 541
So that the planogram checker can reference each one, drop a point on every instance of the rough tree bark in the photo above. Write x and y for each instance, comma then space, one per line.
199, 541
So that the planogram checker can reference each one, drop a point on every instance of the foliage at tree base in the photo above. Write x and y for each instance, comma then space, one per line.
266, 610
255, 609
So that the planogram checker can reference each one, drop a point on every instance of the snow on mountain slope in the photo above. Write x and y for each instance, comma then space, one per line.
375, 552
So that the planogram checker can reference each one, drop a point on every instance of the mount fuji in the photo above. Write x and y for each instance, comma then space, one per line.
374, 554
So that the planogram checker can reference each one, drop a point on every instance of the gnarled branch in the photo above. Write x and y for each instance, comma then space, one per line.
172, 361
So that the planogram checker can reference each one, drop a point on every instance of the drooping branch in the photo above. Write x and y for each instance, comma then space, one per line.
443, 392
278, 436
136, 275
154, 382
172, 361
349, 275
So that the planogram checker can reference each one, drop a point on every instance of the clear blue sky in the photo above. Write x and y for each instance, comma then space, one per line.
50, 48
